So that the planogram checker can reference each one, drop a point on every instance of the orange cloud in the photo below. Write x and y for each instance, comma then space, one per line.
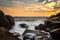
14, 11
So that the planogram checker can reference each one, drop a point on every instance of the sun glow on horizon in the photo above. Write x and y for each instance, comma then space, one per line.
20, 12
34, 9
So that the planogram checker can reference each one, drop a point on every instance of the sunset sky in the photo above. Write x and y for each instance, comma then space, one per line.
30, 8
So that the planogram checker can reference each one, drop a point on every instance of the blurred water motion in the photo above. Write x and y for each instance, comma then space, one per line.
31, 22
18, 30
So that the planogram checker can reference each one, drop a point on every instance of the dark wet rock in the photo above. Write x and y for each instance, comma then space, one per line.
23, 25
52, 16
58, 14
40, 27
1, 13
5, 35
28, 35
4, 21
53, 24
3, 30
47, 24
34, 34
55, 34
29, 31
11, 20
36, 28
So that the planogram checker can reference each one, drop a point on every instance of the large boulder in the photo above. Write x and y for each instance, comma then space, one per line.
53, 21
55, 33
3, 20
6, 35
11, 20
53, 26
1, 13
6, 21
40, 27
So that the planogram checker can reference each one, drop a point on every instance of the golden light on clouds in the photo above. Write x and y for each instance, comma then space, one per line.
32, 10
13, 11
41, 7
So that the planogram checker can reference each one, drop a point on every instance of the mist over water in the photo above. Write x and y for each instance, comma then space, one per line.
31, 25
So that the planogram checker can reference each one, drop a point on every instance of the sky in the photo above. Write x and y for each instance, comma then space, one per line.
30, 7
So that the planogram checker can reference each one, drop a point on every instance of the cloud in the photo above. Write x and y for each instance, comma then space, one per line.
33, 5
45, 5
16, 2
41, 0
6, 3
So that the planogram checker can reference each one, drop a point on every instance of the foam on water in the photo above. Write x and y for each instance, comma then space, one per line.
18, 29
